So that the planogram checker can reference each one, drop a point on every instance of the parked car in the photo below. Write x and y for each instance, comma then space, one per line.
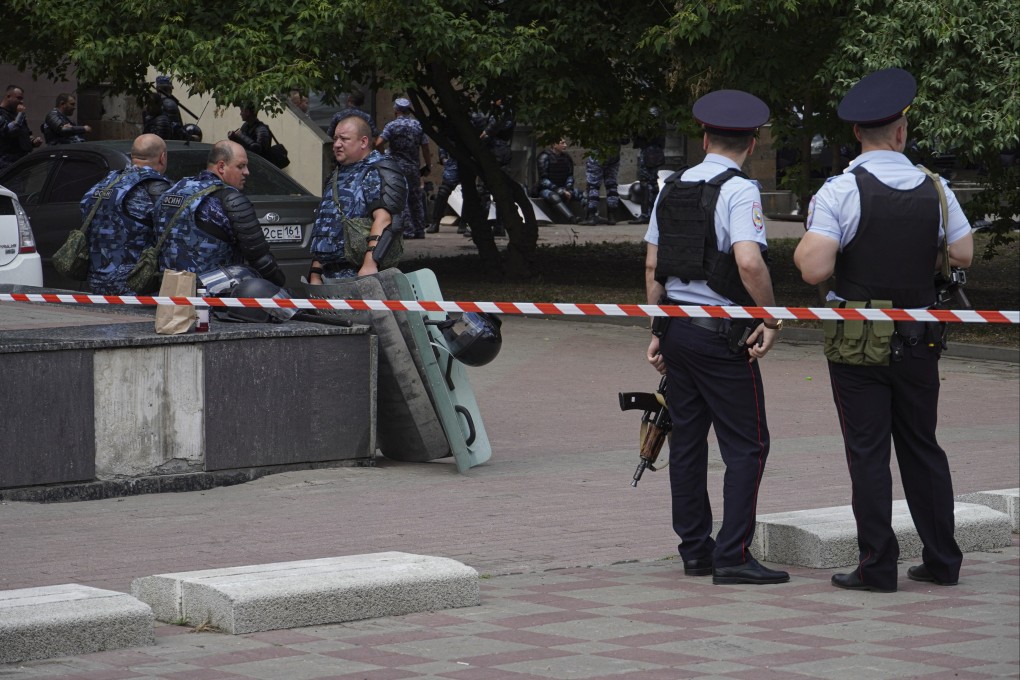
19, 261
51, 181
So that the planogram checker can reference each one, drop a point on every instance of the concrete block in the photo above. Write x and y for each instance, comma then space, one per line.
68, 620
149, 417
1003, 500
827, 537
48, 432
309, 592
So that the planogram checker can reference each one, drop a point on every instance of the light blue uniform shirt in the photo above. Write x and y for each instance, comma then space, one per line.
738, 217
835, 210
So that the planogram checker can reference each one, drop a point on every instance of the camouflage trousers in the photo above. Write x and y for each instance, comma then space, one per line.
595, 175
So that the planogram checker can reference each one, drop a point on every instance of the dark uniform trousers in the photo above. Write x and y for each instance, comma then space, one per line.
710, 386
901, 400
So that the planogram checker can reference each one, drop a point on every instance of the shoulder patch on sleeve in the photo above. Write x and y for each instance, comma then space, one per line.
757, 216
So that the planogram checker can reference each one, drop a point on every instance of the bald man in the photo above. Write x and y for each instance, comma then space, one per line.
117, 215
210, 223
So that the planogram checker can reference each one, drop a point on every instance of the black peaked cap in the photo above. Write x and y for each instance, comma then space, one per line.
732, 112
878, 98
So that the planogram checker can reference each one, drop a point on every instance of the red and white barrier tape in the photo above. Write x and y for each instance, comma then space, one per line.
552, 308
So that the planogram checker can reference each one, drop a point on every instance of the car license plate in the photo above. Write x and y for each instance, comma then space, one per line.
282, 233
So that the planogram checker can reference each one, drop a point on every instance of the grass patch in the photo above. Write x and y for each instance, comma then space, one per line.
614, 273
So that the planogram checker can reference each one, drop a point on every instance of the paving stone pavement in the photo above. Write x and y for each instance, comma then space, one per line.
631, 621
578, 574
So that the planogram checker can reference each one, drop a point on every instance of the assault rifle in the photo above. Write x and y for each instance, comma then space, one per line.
655, 425
949, 290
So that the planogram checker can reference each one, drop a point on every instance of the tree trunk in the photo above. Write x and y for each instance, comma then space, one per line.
449, 125
476, 217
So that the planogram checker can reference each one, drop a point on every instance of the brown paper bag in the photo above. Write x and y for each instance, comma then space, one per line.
175, 319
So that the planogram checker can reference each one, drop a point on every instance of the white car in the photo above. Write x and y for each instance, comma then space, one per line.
19, 261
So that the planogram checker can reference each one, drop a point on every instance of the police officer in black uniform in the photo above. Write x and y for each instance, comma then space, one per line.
556, 180
879, 227
706, 240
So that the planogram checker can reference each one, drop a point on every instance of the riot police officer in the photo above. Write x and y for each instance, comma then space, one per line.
170, 107
451, 178
365, 185
121, 207
58, 128
556, 180
16, 140
713, 256
355, 100
253, 135
878, 228
651, 143
602, 167
407, 139
211, 223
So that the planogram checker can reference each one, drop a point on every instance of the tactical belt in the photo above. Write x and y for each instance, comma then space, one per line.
721, 326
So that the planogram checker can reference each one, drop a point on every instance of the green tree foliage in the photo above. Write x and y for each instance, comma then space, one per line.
803, 55
558, 61
966, 58
561, 62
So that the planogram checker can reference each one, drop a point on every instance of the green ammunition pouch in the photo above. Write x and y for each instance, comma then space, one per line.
858, 343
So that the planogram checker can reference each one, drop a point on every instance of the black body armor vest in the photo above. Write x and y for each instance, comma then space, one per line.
688, 248
557, 167
892, 255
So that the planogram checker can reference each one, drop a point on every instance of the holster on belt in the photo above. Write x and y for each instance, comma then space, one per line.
739, 331
918, 338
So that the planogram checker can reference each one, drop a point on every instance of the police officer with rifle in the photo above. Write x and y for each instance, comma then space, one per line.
706, 240
883, 228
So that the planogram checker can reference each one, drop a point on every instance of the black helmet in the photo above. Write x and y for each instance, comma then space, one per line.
474, 338
193, 132
256, 288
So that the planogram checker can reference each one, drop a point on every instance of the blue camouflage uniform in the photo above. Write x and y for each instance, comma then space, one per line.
122, 226
450, 172
357, 187
597, 173
555, 179
405, 138
451, 178
192, 249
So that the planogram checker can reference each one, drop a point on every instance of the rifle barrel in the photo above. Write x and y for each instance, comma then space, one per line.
637, 473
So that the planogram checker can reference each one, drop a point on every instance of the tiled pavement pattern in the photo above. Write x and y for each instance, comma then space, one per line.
555, 497
630, 621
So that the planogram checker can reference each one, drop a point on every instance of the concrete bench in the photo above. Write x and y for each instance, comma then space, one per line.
827, 537
310, 592
68, 620
1004, 500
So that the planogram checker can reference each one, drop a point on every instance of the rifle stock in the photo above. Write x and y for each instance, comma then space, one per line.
655, 425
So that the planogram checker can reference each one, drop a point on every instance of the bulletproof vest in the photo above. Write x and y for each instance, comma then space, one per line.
344, 194
187, 246
115, 237
688, 247
559, 168
172, 110
892, 255
405, 137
